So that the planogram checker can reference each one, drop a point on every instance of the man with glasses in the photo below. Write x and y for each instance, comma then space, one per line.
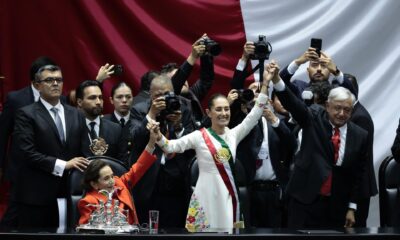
46, 144
14, 101
324, 187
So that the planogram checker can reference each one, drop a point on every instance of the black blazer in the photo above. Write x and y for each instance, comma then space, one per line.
281, 146
314, 161
362, 118
14, 101
111, 133
36, 146
126, 137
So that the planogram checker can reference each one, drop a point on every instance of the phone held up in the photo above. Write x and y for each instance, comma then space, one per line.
117, 70
317, 44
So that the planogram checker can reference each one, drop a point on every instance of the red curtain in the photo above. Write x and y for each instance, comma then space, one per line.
82, 35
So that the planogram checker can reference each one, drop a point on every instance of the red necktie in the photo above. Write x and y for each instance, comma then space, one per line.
326, 186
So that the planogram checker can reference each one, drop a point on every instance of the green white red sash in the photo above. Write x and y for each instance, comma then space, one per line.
225, 169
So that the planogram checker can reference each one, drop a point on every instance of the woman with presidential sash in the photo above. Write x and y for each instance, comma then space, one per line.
214, 202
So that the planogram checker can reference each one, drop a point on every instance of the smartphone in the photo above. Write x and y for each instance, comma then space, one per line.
117, 70
317, 44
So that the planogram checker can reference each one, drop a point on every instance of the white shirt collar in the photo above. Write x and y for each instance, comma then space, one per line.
96, 120
118, 116
49, 106
36, 93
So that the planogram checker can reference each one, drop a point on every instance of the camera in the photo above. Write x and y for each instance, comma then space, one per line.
245, 95
262, 49
172, 103
212, 47
117, 70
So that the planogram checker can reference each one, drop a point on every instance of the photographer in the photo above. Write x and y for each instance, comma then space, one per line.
205, 49
165, 186
320, 68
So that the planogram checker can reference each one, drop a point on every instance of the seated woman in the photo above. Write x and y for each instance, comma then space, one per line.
99, 176
215, 202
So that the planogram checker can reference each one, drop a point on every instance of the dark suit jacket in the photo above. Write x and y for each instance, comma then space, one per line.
362, 118
142, 96
14, 101
200, 88
126, 137
176, 167
111, 133
36, 146
298, 86
314, 161
396, 145
281, 147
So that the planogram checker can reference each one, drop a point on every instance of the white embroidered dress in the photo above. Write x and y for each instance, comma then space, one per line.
211, 204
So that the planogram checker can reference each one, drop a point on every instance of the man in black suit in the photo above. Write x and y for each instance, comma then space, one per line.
362, 118
145, 82
326, 181
46, 144
265, 153
14, 101
89, 98
179, 76
320, 69
165, 186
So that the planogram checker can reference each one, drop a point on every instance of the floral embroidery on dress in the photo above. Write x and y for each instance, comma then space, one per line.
196, 220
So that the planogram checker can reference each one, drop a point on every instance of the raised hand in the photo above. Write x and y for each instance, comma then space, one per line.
198, 50
310, 54
248, 49
105, 72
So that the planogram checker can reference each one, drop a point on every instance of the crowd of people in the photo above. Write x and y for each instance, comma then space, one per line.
302, 148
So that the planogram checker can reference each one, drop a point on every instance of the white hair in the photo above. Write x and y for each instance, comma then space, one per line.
341, 94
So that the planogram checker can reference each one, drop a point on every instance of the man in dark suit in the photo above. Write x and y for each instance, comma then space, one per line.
14, 101
89, 98
179, 77
145, 82
265, 154
46, 144
325, 184
362, 118
320, 69
165, 186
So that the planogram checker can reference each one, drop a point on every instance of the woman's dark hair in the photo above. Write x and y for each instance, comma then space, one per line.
92, 173
118, 85
213, 97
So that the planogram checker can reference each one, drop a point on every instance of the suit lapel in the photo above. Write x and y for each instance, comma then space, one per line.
68, 114
42, 111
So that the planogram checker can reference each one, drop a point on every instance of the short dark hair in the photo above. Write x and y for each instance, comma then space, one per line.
213, 97
354, 83
39, 63
81, 88
146, 79
169, 67
118, 85
92, 173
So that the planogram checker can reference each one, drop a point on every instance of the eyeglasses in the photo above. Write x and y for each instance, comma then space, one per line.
51, 80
